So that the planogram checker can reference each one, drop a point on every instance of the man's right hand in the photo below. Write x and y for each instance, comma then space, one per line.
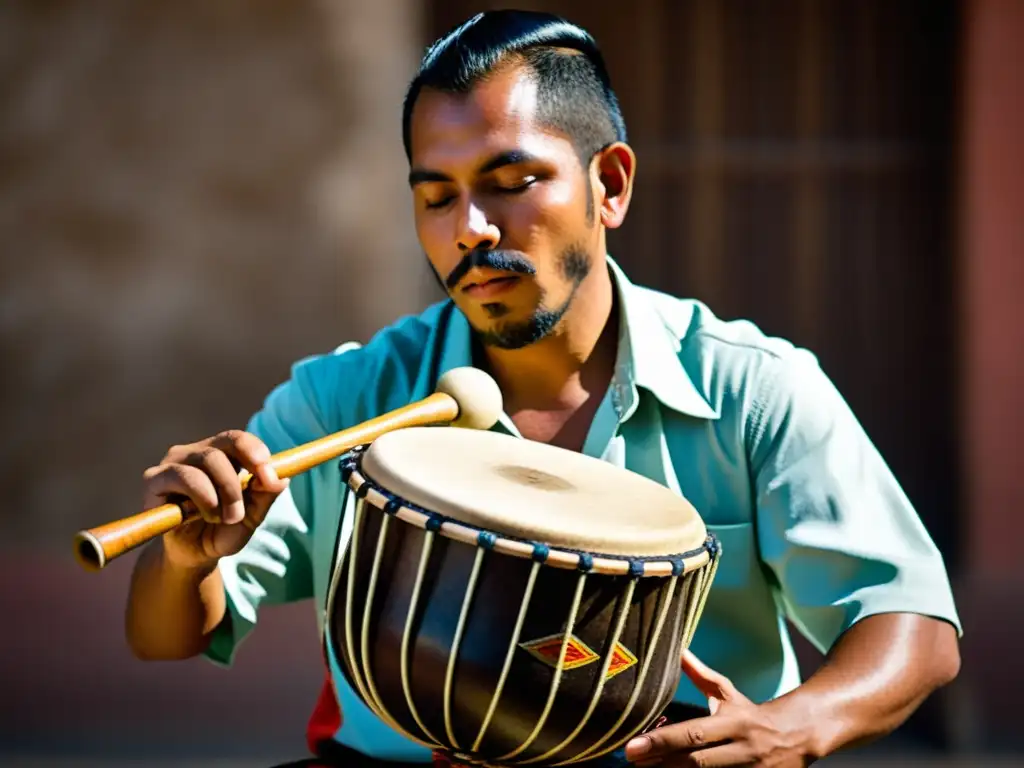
206, 472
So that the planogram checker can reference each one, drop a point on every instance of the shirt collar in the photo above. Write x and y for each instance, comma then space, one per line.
650, 345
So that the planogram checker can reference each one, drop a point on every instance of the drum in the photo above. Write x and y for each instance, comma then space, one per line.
506, 602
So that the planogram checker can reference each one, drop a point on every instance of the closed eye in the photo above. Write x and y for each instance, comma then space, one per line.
440, 203
521, 186
518, 187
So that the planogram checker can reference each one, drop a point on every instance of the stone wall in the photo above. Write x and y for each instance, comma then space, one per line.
193, 196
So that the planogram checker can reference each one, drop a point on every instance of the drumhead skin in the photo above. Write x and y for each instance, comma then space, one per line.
530, 490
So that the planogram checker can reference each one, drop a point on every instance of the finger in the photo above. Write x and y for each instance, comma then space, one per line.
258, 505
732, 754
690, 735
266, 480
168, 480
252, 454
708, 681
222, 472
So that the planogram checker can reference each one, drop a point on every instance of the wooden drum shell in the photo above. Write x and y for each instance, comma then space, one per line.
428, 629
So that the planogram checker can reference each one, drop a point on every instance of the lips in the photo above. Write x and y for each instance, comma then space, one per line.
490, 287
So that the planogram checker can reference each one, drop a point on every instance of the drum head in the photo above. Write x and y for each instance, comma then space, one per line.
533, 491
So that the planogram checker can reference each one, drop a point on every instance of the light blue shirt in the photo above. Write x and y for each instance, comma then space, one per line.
814, 526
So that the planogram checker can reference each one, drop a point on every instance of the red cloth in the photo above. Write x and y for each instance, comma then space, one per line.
442, 760
325, 721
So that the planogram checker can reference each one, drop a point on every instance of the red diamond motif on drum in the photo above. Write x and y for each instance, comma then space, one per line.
622, 660
546, 649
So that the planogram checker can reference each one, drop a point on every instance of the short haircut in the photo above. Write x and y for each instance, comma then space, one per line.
575, 95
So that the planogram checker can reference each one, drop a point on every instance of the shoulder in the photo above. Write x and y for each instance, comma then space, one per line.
778, 389
757, 381
727, 352
356, 381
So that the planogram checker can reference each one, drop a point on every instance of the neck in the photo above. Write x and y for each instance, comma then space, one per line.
572, 363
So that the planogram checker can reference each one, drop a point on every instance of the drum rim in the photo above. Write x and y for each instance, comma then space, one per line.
676, 564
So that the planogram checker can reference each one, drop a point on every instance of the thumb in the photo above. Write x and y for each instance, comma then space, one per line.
716, 686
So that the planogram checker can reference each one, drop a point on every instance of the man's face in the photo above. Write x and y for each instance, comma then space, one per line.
502, 208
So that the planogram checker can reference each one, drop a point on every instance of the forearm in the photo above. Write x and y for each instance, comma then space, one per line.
876, 676
171, 611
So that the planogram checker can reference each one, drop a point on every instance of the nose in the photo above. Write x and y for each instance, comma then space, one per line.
476, 230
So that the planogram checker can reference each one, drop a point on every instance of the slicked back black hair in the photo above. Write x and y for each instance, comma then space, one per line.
574, 90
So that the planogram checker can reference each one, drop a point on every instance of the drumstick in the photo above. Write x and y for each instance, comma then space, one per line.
464, 397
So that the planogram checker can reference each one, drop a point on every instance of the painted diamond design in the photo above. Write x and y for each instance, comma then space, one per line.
545, 649
622, 660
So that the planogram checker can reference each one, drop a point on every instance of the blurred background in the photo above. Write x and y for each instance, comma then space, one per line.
193, 195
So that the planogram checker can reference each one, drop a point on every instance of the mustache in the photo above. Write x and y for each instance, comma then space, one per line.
504, 261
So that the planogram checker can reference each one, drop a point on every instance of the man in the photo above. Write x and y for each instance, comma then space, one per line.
518, 167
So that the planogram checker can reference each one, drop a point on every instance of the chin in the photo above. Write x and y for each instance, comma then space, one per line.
489, 316
511, 333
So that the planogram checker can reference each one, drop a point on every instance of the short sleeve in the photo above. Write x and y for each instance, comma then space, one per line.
275, 566
834, 526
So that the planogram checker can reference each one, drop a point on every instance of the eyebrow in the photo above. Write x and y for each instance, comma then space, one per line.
500, 160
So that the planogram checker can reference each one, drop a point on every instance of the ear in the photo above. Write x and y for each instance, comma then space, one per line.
615, 169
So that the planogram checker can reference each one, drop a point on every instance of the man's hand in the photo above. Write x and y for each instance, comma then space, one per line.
176, 598
738, 731
206, 473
